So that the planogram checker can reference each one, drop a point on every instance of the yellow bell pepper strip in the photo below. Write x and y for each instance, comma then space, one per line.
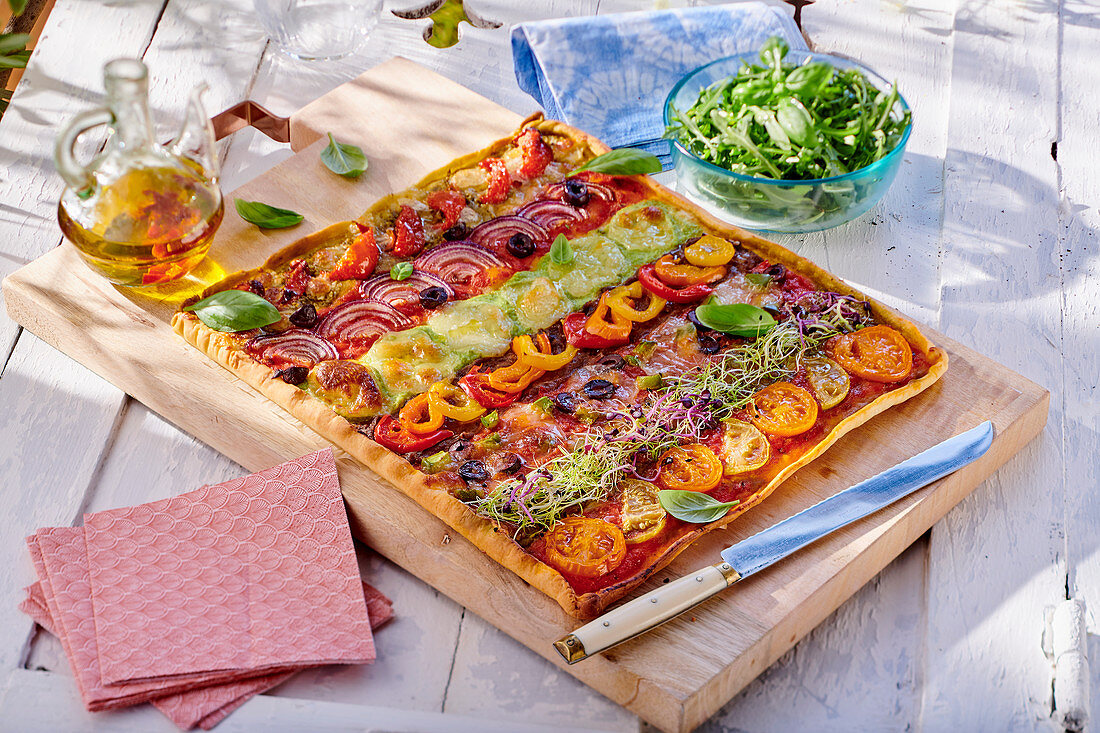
453, 402
682, 276
709, 251
418, 417
623, 302
540, 357
506, 379
617, 329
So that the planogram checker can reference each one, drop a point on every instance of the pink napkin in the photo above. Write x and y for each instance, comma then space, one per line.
201, 601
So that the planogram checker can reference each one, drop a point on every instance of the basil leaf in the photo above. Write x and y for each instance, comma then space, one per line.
401, 271
623, 162
560, 251
266, 217
235, 310
759, 279
796, 122
807, 80
343, 159
694, 506
738, 319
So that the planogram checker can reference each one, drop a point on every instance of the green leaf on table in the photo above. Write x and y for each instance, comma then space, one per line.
235, 310
737, 319
13, 42
343, 159
694, 506
560, 251
265, 216
623, 162
401, 271
17, 6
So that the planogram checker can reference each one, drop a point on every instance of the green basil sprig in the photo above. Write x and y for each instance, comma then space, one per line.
235, 310
342, 159
694, 506
623, 162
560, 251
736, 319
759, 279
401, 271
266, 217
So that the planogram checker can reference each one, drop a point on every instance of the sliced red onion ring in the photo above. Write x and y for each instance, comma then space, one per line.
400, 293
355, 325
295, 347
495, 233
599, 190
462, 265
549, 213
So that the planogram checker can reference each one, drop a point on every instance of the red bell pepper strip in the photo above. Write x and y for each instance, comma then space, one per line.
408, 233
579, 336
477, 386
647, 276
536, 153
359, 260
500, 181
393, 435
449, 204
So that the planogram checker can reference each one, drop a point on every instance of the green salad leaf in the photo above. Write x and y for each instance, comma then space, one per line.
623, 162
342, 159
235, 310
694, 506
265, 216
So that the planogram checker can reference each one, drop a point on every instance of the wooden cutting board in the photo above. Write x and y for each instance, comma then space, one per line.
409, 121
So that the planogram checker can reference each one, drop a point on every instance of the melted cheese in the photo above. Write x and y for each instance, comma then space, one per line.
475, 328
408, 362
648, 229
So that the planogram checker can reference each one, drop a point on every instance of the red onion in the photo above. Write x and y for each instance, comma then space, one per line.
549, 213
400, 293
495, 233
355, 325
294, 348
598, 190
464, 266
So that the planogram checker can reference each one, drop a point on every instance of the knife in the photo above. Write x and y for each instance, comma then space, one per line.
775, 543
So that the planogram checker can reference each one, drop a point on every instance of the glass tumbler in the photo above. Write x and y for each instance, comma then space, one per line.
318, 29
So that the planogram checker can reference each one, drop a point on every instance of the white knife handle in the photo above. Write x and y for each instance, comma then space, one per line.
645, 612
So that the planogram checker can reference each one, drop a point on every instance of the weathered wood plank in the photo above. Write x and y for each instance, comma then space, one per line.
1077, 257
998, 559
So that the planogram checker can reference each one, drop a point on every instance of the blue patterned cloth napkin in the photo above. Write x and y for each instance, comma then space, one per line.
609, 74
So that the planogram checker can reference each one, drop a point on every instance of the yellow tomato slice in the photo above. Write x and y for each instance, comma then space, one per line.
830, 382
784, 409
692, 467
709, 251
585, 546
878, 353
643, 515
744, 448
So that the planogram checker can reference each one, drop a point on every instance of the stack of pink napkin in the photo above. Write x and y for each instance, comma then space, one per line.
198, 602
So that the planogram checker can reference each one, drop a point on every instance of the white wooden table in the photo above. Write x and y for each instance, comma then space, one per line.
989, 234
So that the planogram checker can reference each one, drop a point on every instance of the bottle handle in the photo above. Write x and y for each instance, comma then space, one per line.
76, 175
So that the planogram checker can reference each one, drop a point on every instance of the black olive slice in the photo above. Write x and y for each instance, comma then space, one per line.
473, 471
433, 297
599, 389
304, 317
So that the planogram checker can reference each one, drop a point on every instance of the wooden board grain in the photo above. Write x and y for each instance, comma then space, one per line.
674, 677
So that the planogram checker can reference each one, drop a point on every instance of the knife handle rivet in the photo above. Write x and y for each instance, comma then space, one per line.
652, 600
569, 642
606, 623
698, 578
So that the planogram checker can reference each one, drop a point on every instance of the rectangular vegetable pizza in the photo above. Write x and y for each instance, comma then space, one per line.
571, 365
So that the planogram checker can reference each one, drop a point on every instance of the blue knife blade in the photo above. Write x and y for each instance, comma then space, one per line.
792, 534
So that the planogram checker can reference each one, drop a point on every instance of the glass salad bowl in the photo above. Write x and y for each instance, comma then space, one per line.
769, 204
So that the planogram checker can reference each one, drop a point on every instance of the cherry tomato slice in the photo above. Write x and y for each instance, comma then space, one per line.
829, 381
449, 204
784, 409
500, 181
643, 517
878, 353
359, 260
692, 467
408, 233
585, 546
744, 448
